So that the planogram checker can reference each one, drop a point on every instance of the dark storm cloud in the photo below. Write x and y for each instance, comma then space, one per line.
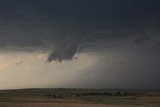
68, 25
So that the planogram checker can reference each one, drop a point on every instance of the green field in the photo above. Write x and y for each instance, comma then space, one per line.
63, 96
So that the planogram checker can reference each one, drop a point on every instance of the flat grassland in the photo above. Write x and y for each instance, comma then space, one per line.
61, 97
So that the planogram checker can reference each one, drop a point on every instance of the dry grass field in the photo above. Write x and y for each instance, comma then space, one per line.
68, 105
79, 98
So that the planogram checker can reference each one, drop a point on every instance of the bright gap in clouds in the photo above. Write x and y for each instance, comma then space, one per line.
29, 70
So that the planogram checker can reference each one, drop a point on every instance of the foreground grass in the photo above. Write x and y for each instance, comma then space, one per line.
128, 100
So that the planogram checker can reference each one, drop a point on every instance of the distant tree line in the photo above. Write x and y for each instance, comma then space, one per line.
118, 93
60, 96
97, 93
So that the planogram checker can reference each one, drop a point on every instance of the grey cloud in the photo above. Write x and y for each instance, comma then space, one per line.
142, 40
150, 42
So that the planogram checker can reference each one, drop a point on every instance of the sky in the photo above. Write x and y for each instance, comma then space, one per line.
79, 44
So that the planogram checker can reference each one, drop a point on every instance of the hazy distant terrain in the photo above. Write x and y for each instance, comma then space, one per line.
79, 98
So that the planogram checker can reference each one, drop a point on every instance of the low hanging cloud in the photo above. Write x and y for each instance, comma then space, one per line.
63, 50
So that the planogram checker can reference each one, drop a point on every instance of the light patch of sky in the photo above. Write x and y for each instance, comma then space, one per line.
30, 70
